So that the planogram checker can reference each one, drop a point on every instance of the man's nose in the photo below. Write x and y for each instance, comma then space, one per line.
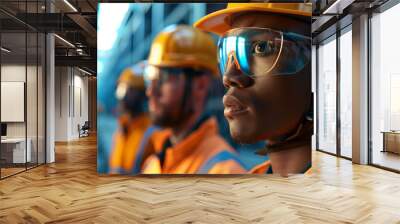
234, 77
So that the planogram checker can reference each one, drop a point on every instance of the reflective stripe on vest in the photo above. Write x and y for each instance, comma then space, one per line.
219, 157
143, 144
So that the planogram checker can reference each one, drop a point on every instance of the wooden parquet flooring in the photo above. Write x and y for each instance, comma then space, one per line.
70, 191
10, 171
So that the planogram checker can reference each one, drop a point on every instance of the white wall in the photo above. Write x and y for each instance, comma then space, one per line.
61, 103
16, 73
33, 127
71, 93
12, 73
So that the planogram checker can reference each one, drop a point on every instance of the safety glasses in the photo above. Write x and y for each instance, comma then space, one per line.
260, 51
158, 76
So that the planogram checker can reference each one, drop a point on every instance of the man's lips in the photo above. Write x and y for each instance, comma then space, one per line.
233, 107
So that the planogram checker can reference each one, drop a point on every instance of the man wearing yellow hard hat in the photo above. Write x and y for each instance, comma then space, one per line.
182, 62
135, 127
264, 54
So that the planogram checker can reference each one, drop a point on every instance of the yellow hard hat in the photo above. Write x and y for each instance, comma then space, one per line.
219, 22
132, 79
184, 46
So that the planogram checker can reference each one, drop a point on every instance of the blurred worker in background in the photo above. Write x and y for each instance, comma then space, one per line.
182, 62
134, 123
264, 55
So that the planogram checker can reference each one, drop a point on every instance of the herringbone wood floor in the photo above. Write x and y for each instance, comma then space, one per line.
70, 191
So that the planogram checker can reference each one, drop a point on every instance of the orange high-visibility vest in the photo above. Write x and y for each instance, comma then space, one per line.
129, 149
203, 151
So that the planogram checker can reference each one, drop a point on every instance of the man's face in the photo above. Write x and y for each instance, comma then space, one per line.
165, 98
132, 101
270, 106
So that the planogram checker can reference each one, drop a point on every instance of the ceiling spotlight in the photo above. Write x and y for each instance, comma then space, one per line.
5, 50
84, 71
64, 40
70, 5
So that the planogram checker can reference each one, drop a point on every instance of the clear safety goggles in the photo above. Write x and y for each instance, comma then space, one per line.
260, 51
159, 76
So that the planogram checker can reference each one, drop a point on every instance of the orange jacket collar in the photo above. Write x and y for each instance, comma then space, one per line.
126, 120
186, 147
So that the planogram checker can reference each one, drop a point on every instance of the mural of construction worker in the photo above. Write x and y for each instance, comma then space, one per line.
182, 62
134, 123
264, 54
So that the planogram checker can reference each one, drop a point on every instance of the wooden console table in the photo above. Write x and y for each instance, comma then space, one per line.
391, 141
